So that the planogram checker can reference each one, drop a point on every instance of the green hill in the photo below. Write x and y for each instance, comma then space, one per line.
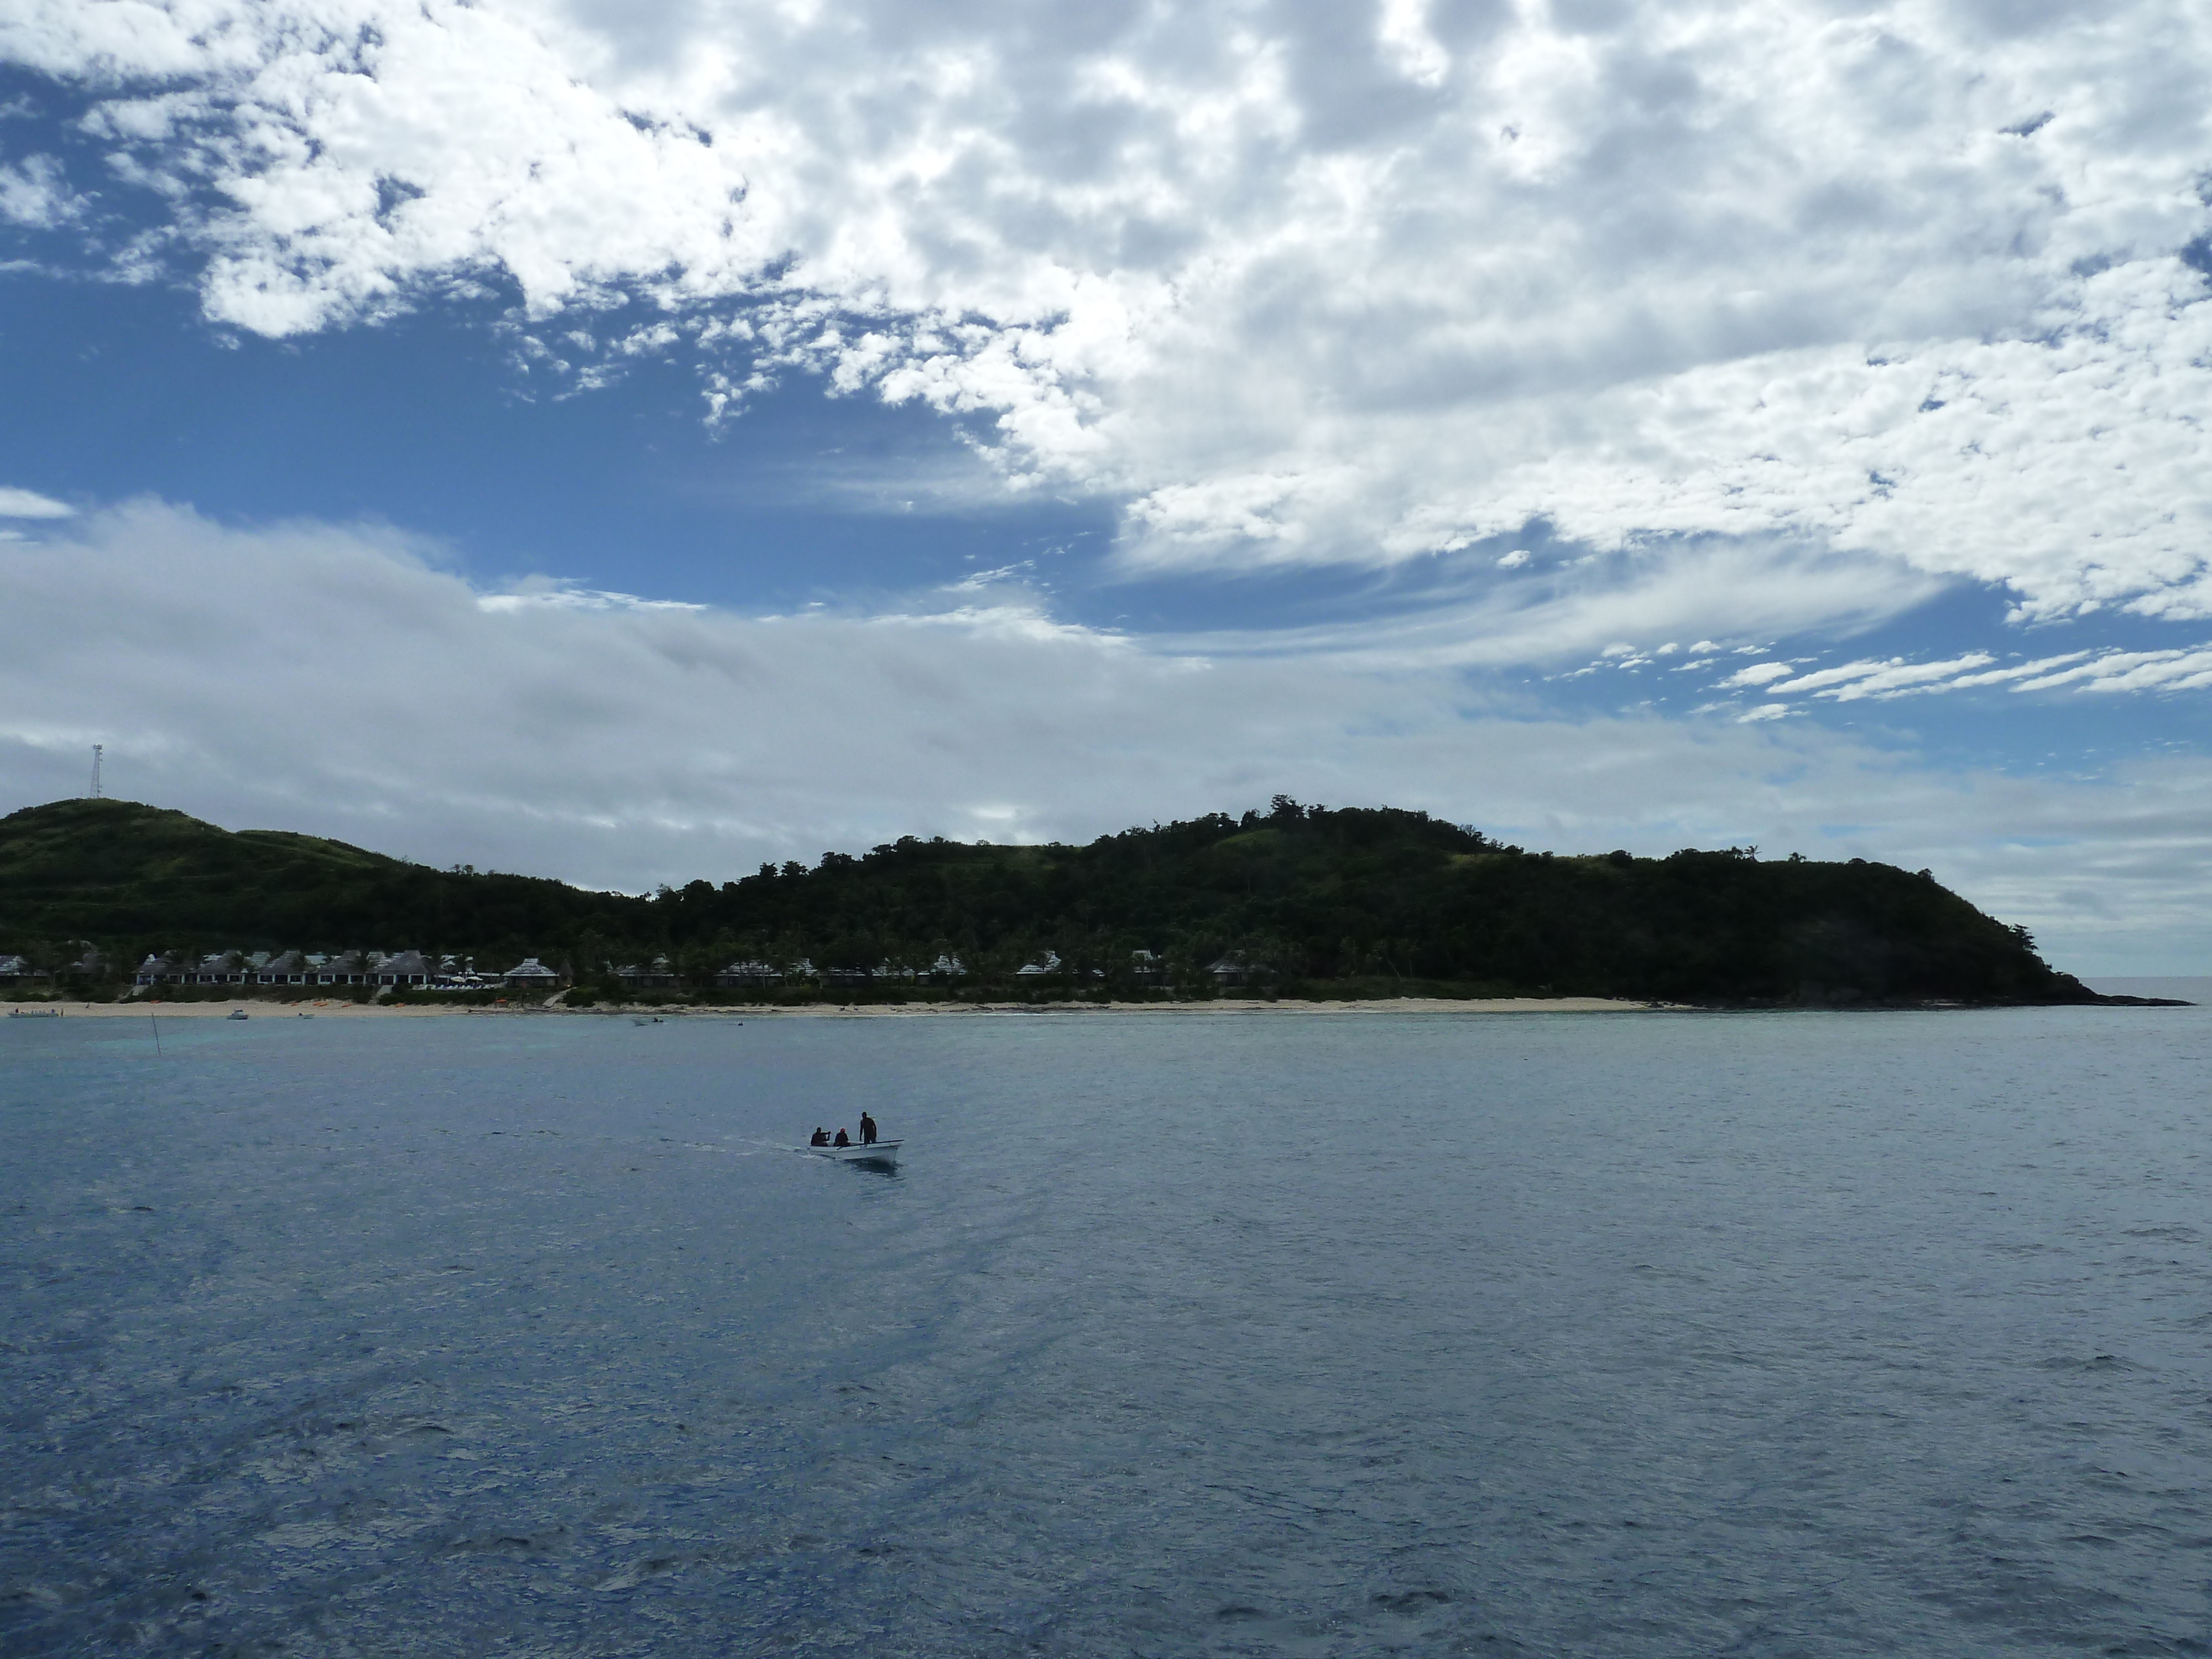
134, 878
1318, 902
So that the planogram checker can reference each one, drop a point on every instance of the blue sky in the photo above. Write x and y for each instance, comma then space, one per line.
631, 443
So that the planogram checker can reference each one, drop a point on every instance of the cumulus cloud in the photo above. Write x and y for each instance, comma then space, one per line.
35, 195
1920, 282
343, 682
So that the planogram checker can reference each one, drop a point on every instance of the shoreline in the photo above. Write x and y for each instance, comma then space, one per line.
647, 1013
339, 1010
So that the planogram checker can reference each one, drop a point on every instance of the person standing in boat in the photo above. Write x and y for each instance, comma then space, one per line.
867, 1130
821, 1137
843, 1140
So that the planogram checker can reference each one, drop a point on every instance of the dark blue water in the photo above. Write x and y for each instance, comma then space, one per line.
1643, 1335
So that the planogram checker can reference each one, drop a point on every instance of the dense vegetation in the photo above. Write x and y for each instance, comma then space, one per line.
1319, 901
134, 879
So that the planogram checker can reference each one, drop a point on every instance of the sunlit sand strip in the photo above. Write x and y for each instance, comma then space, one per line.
862, 1010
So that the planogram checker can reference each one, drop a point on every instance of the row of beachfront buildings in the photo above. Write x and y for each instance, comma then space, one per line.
418, 969
344, 967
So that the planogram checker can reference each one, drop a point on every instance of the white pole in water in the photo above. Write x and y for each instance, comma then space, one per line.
96, 751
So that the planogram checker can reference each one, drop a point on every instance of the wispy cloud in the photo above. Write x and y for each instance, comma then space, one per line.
2133, 671
545, 595
2108, 671
29, 504
1852, 681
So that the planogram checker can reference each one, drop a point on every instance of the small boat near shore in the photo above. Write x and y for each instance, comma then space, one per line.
35, 1013
883, 1152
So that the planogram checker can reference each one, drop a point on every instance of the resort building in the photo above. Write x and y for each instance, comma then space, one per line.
347, 967
404, 968
748, 976
454, 974
383, 969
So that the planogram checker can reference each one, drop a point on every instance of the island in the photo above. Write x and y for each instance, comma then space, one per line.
107, 899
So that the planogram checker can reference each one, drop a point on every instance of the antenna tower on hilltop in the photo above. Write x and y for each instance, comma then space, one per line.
97, 749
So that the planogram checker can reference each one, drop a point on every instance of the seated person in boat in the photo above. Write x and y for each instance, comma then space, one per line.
843, 1140
821, 1137
867, 1130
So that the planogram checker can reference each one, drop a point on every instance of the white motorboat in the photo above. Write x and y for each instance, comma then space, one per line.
35, 1013
237, 1013
885, 1152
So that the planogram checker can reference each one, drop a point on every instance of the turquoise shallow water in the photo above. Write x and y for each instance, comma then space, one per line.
1546, 1334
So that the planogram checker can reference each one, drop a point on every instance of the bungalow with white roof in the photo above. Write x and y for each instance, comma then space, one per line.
749, 974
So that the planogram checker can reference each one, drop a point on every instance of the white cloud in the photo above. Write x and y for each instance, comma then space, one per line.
33, 194
1851, 681
2133, 671
1298, 283
543, 594
340, 682
29, 504
2185, 669
1759, 673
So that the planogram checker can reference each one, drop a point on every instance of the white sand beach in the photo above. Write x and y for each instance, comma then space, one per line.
344, 1010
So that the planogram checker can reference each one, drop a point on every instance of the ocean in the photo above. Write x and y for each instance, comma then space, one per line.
1610, 1335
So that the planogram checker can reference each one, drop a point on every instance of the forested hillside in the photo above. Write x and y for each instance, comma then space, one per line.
1316, 901
133, 878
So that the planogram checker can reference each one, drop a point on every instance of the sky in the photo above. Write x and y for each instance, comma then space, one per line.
632, 442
